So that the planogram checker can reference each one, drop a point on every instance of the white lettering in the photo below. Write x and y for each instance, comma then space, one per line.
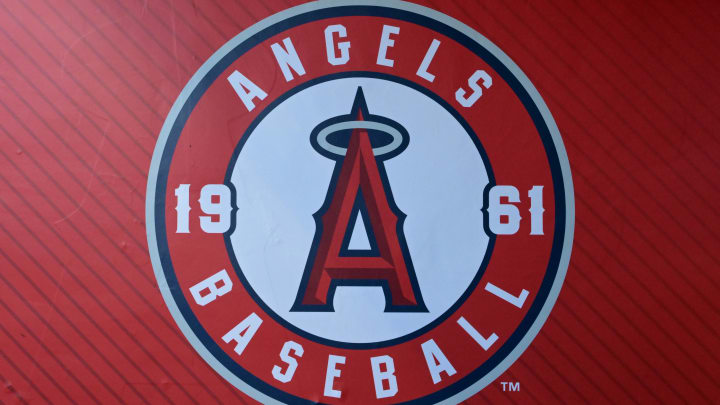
475, 86
211, 284
436, 361
222, 208
536, 210
499, 211
182, 192
246, 89
343, 46
292, 363
332, 373
243, 332
429, 55
506, 296
385, 43
287, 58
484, 343
380, 376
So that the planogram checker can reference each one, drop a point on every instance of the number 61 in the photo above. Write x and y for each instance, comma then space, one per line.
497, 210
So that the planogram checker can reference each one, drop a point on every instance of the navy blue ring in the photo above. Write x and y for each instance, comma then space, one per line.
374, 11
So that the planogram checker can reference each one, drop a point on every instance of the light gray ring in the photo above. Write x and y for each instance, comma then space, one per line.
393, 4
379, 126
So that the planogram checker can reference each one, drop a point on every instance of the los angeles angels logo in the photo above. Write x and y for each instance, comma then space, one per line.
359, 202
359, 191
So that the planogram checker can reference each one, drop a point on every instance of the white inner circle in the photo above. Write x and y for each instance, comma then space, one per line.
437, 182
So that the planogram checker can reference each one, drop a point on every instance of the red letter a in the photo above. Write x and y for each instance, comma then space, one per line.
358, 188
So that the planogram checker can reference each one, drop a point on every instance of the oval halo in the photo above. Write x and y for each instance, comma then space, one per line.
323, 142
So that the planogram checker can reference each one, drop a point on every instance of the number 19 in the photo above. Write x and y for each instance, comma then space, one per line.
215, 200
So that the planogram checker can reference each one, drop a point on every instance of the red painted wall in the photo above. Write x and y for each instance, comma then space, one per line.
85, 87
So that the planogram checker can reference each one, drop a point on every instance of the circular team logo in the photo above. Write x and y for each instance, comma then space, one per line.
359, 202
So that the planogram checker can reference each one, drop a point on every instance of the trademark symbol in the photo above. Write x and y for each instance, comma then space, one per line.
508, 386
